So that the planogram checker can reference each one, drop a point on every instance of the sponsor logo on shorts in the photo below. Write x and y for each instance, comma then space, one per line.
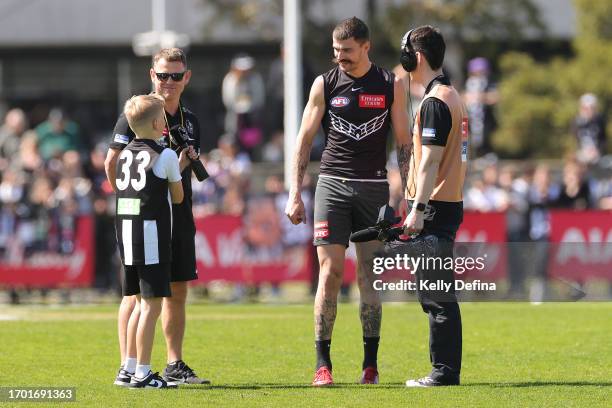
340, 101
372, 101
119, 138
322, 233
321, 230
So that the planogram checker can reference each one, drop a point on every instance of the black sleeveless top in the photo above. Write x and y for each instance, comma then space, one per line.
356, 124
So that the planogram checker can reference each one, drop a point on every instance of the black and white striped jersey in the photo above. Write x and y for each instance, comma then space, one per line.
144, 209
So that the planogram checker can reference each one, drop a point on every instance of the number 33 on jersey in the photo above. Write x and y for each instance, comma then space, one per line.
143, 158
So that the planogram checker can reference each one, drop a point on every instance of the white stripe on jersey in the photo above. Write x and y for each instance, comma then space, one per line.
151, 246
170, 207
126, 238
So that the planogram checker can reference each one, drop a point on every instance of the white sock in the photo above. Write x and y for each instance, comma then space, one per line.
142, 370
130, 365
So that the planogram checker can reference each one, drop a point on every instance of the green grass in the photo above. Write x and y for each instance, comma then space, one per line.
514, 355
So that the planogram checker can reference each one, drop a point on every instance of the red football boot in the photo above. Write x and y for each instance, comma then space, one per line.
323, 377
369, 376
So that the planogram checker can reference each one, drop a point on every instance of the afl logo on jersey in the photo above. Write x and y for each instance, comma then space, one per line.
340, 101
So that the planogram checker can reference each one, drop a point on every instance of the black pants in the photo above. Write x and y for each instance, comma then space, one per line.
445, 342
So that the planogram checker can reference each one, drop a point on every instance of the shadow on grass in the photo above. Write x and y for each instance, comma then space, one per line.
527, 384
270, 386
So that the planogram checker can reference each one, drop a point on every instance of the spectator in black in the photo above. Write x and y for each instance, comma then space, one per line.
575, 192
480, 98
515, 208
542, 195
102, 196
590, 130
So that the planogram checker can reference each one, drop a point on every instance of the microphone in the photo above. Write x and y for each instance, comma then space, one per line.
371, 234
368, 234
383, 230
181, 138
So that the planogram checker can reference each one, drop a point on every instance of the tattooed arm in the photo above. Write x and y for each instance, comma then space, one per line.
401, 125
311, 120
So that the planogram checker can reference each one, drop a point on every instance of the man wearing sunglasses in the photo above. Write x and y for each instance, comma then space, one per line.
169, 75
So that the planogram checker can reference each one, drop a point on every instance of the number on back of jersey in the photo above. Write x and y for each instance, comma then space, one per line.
139, 180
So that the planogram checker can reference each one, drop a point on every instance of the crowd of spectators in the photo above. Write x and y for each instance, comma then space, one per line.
46, 184
49, 177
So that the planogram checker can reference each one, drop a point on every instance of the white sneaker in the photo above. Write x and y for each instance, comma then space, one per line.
152, 380
423, 382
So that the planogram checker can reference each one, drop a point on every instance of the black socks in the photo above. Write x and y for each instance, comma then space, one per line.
323, 359
370, 351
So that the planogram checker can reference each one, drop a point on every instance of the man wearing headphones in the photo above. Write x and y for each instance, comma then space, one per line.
435, 184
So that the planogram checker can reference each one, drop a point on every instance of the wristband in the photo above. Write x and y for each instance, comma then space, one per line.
420, 207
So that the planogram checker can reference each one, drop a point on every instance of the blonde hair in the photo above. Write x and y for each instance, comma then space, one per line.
140, 110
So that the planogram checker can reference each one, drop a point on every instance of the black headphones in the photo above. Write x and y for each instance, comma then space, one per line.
408, 57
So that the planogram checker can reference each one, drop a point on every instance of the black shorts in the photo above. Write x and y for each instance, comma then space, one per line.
346, 206
147, 280
183, 266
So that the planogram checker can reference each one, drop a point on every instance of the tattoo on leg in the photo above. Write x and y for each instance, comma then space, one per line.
371, 316
325, 316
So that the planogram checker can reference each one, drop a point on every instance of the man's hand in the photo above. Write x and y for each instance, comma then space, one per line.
187, 154
413, 224
295, 209
184, 158
192, 153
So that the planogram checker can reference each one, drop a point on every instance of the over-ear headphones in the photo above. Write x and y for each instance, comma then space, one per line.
408, 57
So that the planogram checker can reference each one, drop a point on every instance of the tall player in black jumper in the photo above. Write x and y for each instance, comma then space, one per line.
357, 103
169, 75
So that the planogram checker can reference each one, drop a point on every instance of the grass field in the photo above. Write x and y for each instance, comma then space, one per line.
514, 354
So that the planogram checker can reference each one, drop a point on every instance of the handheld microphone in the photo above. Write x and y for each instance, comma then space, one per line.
383, 230
181, 138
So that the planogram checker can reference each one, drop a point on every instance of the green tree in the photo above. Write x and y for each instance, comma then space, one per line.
466, 20
468, 25
539, 101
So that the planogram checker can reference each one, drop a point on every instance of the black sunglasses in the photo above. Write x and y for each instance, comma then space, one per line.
176, 77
